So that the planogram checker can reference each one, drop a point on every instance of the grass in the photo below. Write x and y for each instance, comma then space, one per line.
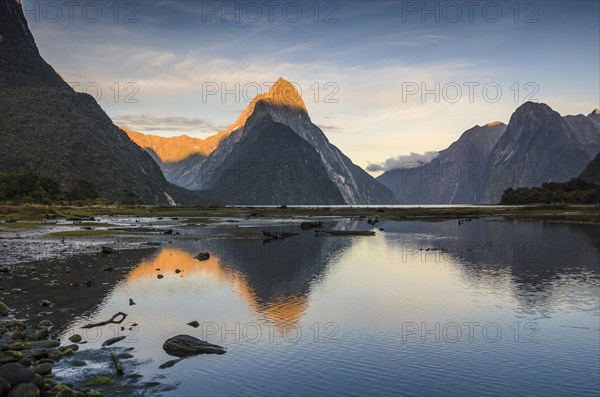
550, 213
19, 225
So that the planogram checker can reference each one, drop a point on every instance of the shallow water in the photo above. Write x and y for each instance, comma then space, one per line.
422, 308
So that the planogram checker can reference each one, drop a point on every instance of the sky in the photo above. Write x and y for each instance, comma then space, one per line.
381, 78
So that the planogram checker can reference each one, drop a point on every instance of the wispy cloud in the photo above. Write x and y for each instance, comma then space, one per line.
169, 124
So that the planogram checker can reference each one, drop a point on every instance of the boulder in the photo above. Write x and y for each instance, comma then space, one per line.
10, 356
4, 387
16, 374
185, 345
43, 369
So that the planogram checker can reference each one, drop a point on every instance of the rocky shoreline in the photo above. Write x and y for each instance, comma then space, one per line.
28, 355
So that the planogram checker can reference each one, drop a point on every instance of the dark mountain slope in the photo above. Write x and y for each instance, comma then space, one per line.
47, 128
272, 165
538, 146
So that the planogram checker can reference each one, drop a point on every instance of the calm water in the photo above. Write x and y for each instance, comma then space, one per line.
492, 308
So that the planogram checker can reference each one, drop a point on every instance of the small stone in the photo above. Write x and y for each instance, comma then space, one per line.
43, 369
54, 354
45, 324
202, 256
24, 390
76, 338
66, 392
101, 380
194, 324
19, 346
159, 276
39, 381
45, 344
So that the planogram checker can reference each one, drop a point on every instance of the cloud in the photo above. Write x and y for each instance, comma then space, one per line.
403, 161
329, 128
176, 124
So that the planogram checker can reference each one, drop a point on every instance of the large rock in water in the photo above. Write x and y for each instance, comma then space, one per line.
15, 373
185, 346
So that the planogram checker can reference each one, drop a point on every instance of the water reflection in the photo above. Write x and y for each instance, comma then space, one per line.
369, 287
273, 279
536, 261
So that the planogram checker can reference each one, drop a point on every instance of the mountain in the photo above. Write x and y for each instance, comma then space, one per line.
539, 146
282, 106
585, 130
176, 155
455, 176
591, 172
49, 129
595, 117
271, 164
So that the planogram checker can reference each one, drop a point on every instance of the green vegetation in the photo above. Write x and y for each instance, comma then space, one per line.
203, 214
17, 188
576, 191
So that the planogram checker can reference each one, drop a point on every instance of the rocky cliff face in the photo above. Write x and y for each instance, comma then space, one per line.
538, 146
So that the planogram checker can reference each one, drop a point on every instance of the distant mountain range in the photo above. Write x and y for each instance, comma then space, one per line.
454, 176
272, 154
537, 146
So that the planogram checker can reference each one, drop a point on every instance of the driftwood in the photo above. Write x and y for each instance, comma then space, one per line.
311, 225
278, 235
117, 364
112, 341
344, 233
107, 250
110, 321
170, 363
